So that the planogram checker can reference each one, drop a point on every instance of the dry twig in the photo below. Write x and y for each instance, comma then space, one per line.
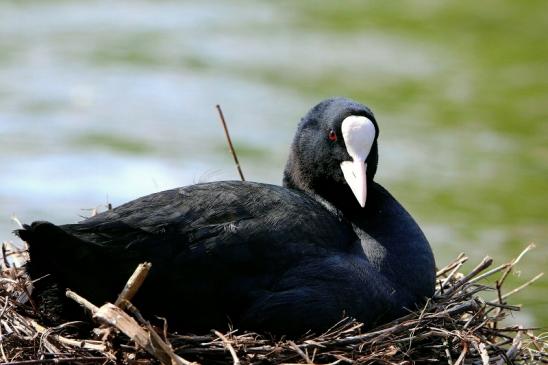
230, 146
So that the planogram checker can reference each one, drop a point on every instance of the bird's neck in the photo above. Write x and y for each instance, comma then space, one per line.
393, 242
390, 239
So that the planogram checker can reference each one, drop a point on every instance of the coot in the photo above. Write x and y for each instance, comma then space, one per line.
330, 243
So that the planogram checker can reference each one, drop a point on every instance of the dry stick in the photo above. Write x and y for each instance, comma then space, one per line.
130, 289
421, 315
221, 116
513, 263
516, 308
341, 358
17, 221
512, 351
332, 330
462, 355
491, 272
451, 274
135, 313
228, 346
85, 344
300, 352
452, 264
82, 301
483, 352
2, 345
133, 284
115, 317
522, 286
6, 305
29, 296
507, 272
485, 263
5, 256
509, 268
447, 352
156, 339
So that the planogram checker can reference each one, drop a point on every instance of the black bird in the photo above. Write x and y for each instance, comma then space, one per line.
284, 260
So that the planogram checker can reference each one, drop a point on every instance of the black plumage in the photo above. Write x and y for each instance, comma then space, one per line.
264, 257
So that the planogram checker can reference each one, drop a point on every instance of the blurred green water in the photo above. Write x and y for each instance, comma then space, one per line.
460, 90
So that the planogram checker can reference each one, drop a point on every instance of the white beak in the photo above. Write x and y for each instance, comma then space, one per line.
359, 134
354, 174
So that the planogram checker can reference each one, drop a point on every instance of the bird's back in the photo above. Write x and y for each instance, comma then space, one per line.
214, 248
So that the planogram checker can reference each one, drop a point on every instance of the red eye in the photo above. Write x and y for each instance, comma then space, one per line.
332, 135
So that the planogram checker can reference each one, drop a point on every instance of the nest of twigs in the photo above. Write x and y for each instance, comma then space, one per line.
457, 326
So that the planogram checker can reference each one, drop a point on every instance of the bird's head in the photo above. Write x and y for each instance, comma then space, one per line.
334, 153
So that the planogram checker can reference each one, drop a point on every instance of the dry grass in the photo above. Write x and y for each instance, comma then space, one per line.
457, 326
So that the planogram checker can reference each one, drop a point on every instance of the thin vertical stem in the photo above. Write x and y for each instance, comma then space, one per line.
221, 116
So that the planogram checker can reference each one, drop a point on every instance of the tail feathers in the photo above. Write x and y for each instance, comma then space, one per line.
51, 252
27, 232
51, 249
37, 231
43, 236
